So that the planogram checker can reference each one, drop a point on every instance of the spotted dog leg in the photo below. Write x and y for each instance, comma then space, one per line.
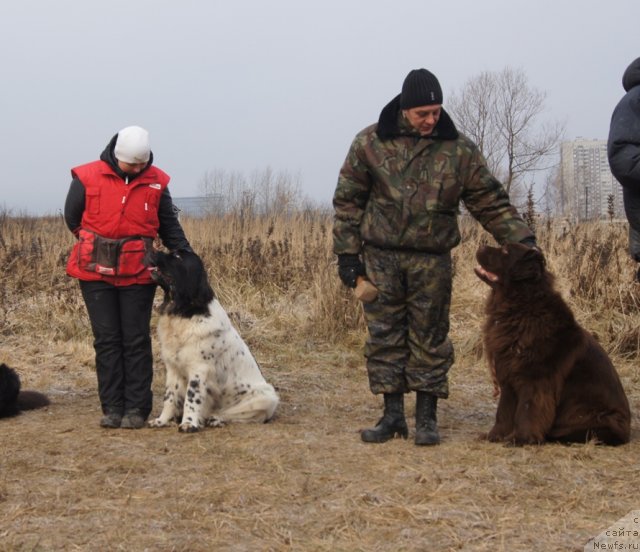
173, 401
195, 405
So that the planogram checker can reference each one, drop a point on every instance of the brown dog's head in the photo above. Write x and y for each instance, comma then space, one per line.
512, 262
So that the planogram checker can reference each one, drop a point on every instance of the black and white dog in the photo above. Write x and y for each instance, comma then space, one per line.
211, 376
12, 399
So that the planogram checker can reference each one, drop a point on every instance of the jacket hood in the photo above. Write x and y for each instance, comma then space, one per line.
109, 157
631, 76
388, 124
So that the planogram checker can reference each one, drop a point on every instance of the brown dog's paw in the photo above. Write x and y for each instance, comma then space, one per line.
496, 435
522, 440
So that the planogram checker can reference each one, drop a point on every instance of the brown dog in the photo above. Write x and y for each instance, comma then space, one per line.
556, 382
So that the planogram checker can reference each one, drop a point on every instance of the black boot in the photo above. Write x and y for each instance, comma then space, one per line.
391, 423
426, 421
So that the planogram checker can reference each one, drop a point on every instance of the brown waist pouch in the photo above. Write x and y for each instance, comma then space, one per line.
114, 257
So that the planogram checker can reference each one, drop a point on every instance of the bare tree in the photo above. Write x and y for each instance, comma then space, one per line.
502, 113
264, 193
530, 215
222, 191
611, 207
473, 110
553, 199
278, 193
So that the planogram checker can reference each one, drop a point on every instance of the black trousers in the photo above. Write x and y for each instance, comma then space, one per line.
120, 320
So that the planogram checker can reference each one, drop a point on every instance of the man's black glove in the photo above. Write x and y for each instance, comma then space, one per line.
529, 242
349, 268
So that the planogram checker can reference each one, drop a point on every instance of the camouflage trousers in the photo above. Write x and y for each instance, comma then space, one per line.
408, 348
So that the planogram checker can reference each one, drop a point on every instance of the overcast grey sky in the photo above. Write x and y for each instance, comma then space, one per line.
240, 85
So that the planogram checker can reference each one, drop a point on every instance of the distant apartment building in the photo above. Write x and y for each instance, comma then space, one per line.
588, 190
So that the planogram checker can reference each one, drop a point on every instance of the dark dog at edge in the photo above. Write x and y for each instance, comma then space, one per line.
12, 399
556, 383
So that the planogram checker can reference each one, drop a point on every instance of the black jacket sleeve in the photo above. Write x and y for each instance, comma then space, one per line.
623, 146
74, 205
170, 231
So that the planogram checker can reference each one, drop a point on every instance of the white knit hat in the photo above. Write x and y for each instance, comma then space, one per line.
132, 145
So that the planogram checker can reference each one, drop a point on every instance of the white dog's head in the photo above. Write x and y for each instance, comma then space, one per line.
182, 276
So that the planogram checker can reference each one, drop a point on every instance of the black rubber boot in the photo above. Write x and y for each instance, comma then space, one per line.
112, 418
426, 420
391, 423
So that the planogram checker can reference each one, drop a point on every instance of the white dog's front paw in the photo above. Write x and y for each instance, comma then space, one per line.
158, 422
214, 421
188, 428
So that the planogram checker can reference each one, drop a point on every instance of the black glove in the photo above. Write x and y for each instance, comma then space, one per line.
349, 268
530, 242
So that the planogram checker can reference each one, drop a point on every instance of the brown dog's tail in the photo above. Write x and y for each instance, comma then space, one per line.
29, 400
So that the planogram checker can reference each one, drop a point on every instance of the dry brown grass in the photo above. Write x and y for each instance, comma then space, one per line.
304, 481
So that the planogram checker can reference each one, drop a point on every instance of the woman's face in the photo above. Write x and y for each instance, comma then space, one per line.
131, 168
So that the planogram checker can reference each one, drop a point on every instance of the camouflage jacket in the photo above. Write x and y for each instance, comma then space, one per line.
398, 190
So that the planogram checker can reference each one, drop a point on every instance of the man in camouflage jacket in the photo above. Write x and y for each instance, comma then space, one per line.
396, 205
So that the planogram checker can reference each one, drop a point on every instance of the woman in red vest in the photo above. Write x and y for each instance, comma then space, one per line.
116, 207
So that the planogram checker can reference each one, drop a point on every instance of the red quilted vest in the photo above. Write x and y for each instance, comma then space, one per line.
116, 218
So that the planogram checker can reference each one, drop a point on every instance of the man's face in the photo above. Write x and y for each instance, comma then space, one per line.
423, 118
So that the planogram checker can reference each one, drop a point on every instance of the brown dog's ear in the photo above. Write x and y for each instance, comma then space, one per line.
530, 266
535, 253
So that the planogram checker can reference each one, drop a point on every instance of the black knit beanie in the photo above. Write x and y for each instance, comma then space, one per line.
420, 87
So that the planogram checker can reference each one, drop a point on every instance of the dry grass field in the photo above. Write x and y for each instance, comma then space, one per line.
305, 481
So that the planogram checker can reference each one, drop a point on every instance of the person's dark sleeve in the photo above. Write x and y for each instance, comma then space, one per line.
350, 199
74, 205
623, 144
170, 231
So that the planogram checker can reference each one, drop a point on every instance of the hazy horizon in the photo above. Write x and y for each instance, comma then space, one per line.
244, 86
